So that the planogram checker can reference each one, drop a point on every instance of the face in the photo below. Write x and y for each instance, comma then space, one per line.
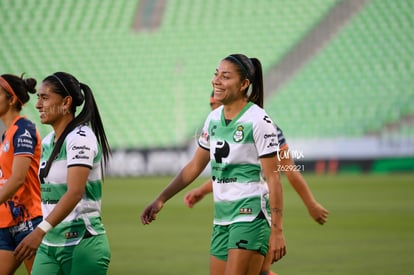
227, 84
4, 102
51, 106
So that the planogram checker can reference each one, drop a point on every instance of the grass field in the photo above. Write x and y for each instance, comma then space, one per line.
370, 228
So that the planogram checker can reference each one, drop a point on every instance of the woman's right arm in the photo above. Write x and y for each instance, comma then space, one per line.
187, 175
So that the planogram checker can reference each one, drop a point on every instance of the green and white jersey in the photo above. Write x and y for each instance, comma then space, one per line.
80, 148
239, 191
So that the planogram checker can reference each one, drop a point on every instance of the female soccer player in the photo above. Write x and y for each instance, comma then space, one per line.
72, 237
20, 210
238, 140
316, 210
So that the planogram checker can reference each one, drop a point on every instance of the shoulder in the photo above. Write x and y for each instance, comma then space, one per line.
48, 137
26, 130
81, 135
25, 126
215, 114
81, 132
259, 115
24, 122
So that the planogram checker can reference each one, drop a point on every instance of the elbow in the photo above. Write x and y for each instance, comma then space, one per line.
75, 197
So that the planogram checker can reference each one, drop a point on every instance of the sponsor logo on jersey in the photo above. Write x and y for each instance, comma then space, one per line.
205, 137
273, 143
83, 147
245, 210
26, 134
6, 146
25, 140
81, 152
213, 130
81, 132
80, 156
71, 235
224, 179
272, 135
47, 201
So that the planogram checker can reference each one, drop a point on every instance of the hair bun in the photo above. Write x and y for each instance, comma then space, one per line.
30, 85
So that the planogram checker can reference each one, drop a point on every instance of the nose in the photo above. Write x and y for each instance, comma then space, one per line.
215, 80
38, 104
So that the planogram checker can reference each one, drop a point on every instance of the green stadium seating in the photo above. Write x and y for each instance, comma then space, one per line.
360, 83
152, 87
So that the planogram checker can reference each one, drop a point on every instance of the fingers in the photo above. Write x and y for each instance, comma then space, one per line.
24, 252
188, 201
278, 254
147, 218
148, 215
323, 217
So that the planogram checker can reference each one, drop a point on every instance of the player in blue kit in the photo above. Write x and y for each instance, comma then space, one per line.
240, 141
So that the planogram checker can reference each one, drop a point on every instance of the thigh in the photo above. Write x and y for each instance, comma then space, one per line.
240, 261
90, 256
9, 264
247, 246
7, 245
217, 266
45, 261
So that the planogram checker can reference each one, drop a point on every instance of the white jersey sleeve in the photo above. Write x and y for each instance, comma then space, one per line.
81, 147
265, 136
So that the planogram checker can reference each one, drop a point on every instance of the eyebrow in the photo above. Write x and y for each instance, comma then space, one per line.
223, 72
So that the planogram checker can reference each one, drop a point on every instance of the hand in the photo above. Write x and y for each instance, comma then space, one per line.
193, 196
150, 212
28, 246
277, 245
318, 213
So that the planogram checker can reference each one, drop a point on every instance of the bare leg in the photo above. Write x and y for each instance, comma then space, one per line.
9, 264
29, 264
217, 266
244, 262
266, 266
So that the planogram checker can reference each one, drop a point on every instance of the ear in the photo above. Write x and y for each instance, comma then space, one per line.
13, 100
67, 103
245, 84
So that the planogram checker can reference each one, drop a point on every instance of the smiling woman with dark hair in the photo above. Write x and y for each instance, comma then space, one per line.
247, 209
72, 237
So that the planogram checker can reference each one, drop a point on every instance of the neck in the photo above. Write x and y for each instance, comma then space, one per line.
60, 126
9, 117
233, 109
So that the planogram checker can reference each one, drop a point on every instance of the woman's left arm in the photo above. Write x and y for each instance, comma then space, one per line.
277, 243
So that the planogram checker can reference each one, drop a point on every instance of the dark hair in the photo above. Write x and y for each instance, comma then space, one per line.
67, 85
251, 69
21, 87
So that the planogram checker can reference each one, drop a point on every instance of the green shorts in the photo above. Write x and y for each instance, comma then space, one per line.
90, 256
241, 235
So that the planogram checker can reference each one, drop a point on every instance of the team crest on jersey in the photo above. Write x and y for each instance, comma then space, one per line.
6, 146
239, 134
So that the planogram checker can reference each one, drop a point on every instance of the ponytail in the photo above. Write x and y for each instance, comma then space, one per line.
257, 94
90, 114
